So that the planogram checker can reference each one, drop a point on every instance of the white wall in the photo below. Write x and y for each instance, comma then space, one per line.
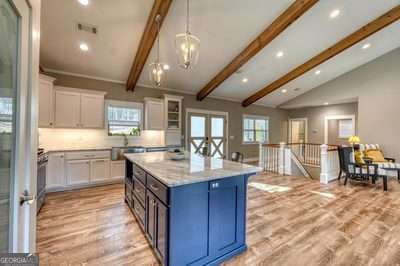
377, 87
65, 139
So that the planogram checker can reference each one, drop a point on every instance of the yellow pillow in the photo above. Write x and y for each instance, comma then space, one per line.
359, 157
375, 155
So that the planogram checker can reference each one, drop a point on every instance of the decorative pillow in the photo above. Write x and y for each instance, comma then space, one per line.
376, 155
359, 157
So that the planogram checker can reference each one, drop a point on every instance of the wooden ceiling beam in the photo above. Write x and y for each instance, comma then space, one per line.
357, 36
160, 7
291, 14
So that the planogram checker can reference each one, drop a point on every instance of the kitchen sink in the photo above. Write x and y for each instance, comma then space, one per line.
117, 153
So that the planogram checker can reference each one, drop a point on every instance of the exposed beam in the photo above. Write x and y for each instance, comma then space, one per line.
160, 7
357, 36
291, 14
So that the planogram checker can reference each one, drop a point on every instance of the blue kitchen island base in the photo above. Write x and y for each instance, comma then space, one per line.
198, 223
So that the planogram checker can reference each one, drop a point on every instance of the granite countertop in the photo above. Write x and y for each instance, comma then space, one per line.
192, 170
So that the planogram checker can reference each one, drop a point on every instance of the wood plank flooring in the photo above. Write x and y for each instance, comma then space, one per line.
291, 221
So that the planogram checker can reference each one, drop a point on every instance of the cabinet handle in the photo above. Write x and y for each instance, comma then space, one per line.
154, 187
51, 124
215, 185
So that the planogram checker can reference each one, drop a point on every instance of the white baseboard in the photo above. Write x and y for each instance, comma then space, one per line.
80, 186
251, 159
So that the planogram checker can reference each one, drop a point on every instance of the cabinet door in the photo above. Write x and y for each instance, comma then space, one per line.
150, 216
45, 104
55, 176
67, 109
161, 240
226, 215
117, 169
154, 115
100, 170
78, 172
92, 111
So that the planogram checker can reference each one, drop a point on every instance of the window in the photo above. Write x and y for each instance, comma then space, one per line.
346, 129
123, 118
6, 110
255, 129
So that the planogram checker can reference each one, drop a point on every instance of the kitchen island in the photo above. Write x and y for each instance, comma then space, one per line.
193, 211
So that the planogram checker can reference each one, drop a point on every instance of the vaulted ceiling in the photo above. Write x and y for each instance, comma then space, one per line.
225, 28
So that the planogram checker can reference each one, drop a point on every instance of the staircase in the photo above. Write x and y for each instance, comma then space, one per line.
316, 161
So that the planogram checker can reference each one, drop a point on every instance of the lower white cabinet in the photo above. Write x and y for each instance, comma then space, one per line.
78, 172
100, 170
117, 169
55, 176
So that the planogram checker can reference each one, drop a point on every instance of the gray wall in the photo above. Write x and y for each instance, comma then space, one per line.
377, 87
316, 118
277, 117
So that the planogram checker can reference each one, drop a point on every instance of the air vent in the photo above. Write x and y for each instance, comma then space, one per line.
87, 27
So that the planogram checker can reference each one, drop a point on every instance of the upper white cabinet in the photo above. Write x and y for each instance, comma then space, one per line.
92, 111
154, 114
67, 109
173, 112
46, 94
76, 108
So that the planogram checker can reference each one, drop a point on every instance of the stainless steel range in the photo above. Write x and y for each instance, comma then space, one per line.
41, 178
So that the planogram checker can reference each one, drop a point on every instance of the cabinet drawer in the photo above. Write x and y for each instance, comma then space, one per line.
158, 189
139, 173
87, 155
138, 210
139, 190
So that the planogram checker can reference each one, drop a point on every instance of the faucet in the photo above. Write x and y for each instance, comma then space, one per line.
126, 142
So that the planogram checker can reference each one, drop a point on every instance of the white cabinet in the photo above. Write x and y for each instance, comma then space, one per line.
117, 169
75, 108
100, 170
154, 114
55, 176
67, 109
78, 172
92, 111
46, 101
173, 119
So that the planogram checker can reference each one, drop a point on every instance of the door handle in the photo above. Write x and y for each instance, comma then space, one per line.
26, 198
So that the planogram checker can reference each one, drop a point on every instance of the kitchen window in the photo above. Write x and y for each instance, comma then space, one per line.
255, 129
124, 118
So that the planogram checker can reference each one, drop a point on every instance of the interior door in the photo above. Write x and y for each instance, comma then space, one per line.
207, 134
18, 128
298, 131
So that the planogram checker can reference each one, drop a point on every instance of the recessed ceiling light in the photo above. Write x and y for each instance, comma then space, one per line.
279, 54
284, 90
245, 80
84, 47
84, 2
318, 72
366, 46
326, 103
166, 66
334, 13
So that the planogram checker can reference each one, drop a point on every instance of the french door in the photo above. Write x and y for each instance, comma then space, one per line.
207, 134
18, 126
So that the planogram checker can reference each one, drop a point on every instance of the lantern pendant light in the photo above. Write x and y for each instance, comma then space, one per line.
157, 69
187, 46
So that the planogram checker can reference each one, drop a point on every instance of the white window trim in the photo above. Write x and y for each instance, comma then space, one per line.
136, 105
254, 117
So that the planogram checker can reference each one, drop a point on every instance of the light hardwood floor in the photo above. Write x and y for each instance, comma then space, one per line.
291, 221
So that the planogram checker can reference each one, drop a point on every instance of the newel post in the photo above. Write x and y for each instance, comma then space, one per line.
261, 158
282, 158
324, 176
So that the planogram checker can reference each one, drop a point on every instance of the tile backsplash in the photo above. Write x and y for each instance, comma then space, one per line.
61, 139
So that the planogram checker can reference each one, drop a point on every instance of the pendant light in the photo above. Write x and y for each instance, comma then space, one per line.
187, 46
157, 69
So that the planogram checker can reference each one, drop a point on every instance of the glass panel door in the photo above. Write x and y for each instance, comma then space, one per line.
8, 98
198, 134
217, 136
207, 134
